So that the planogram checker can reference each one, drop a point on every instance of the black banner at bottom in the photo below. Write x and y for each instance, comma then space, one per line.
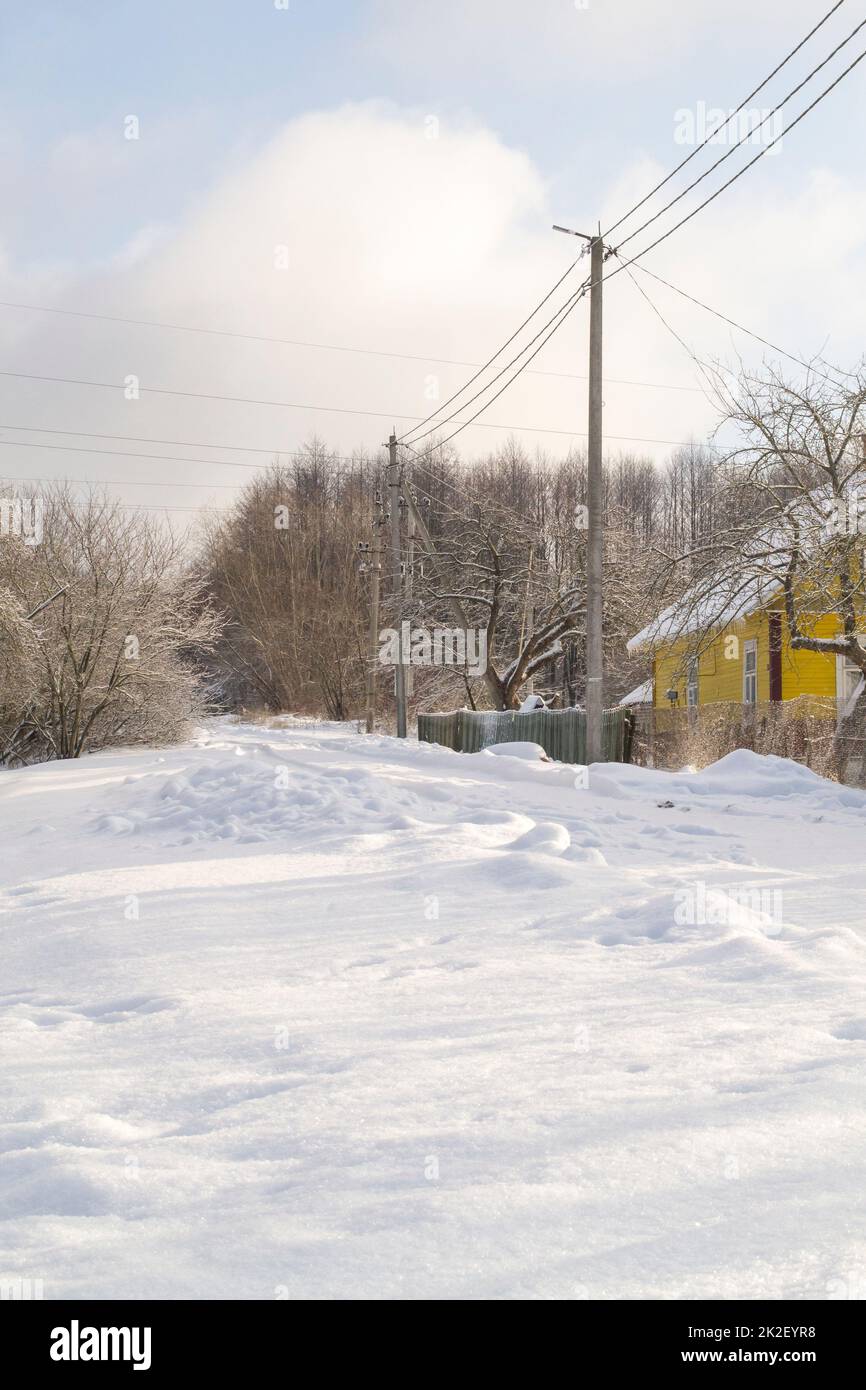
155, 1339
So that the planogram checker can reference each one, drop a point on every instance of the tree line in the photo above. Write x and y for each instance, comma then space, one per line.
115, 630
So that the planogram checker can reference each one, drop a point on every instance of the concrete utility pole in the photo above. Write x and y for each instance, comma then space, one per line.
595, 533
527, 601
410, 584
594, 499
394, 495
374, 566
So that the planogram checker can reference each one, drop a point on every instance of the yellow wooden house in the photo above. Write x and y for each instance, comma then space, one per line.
744, 658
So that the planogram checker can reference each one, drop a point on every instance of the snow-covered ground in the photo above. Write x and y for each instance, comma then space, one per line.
297, 1012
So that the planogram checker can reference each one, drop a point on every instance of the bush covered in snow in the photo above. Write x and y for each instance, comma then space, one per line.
101, 629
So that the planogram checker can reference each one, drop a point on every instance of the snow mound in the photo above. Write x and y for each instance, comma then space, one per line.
249, 798
739, 774
528, 752
744, 773
548, 837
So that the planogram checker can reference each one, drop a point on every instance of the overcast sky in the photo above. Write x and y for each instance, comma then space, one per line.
383, 176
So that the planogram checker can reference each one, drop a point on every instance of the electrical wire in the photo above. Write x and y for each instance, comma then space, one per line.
801, 361
181, 443
117, 482
746, 167
553, 324
575, 299
742, 140
703, 367
129, 454
713, 133
496, 354
321, 347
485, 424
571, 301
573, 305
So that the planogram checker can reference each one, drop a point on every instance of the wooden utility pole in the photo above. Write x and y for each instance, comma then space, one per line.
595, 533
394, 495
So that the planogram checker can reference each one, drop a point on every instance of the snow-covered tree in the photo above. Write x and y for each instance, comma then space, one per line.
108, 627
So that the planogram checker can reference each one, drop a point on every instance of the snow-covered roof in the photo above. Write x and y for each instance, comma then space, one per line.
759, 577
703, 613
641, 695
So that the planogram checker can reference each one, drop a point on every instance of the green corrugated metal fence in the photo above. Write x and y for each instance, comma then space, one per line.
560, 732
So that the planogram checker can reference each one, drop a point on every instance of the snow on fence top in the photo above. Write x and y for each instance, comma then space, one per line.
561, 733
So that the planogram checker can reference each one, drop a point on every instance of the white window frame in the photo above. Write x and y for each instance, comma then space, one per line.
846, 695
749, 677
692, 688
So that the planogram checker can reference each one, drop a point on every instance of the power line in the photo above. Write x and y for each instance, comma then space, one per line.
328, 347
205, 396
167, 507
703, 367
380, 415
743, 139
736, 112
561, 315
181, 443
572, 300
116, 482
801, 361
123, 453
575, 299
498, 351
157, 507
438, 502
224, 333
339, 458
746, 167
432, 473
159, 482
572, 305
166, 458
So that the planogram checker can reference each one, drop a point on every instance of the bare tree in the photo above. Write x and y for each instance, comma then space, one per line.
793, 498
509, 532
283, 567
119, 623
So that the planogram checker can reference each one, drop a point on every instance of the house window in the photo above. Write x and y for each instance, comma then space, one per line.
750, 672
851, 676
848, 677
692, 683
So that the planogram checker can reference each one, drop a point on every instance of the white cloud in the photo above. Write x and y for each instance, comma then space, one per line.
393, 240
569, 40
404, 243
